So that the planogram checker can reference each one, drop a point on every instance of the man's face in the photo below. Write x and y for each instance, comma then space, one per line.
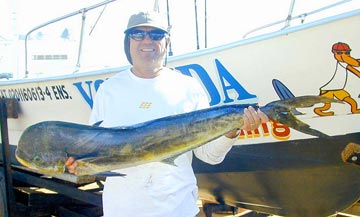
145, 49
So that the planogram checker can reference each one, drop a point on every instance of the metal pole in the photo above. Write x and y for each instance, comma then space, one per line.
205, 23
289, 16
9, 194
169, 24
83, 18
197, 29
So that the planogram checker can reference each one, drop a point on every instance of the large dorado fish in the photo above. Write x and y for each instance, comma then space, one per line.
46, 146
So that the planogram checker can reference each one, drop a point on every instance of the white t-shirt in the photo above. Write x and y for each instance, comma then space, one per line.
153, 189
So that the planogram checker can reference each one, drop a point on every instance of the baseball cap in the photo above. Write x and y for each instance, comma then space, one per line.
152, 19
340, 46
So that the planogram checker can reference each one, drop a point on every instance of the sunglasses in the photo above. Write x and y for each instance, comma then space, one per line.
154, 35
343, 52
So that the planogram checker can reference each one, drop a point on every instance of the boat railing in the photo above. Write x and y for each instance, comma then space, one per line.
289, 18
83, 18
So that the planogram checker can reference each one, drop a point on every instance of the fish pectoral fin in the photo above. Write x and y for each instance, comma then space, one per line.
91, 160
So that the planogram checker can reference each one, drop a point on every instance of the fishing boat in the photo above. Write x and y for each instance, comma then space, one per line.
274, 169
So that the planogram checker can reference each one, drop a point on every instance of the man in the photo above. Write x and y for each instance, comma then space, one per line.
148, 91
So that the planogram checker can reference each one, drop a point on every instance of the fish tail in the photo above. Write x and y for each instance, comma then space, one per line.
307, 101
281, 111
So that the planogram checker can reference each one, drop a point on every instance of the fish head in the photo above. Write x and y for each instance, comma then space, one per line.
46, 162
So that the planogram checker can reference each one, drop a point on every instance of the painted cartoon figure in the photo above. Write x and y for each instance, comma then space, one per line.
335, 88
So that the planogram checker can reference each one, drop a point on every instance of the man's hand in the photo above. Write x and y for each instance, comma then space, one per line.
252, 120
71, 165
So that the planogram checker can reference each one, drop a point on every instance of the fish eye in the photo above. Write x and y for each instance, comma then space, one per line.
37, 159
